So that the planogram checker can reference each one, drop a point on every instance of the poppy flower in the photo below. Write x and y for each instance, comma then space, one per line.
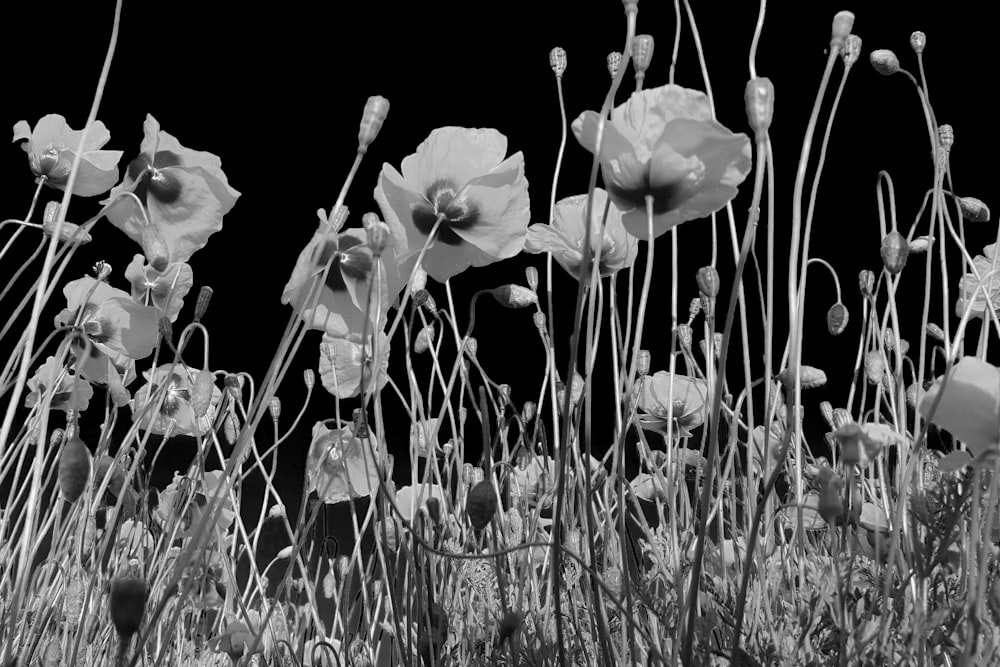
969, 284
407, 497
164, 290
970, 405
340, 365
173, 505
664, 143
460, 175
183, 191
51, 147
688, 408
340, 466
564, 237
70, 391
176, 415
120, 331
343, 298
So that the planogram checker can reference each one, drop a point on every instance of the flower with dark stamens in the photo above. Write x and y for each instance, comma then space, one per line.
119, 331
340, 367
164, 290
52, 147
688, 408
458, 176
664, 143
176, 414
183, 191
342, 299
564, 237
341, 465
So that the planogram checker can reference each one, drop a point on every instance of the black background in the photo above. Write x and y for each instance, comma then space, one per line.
277, 91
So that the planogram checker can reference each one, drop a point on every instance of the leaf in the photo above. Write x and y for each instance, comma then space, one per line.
954, 461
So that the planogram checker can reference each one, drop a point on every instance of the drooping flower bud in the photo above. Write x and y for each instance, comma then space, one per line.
531, 275
759, 96
614, 61
424, 340
201, 305
202, 391
376, 109
866, 282
514, 296
934, 331
920, 245
481, 504
642, 55
642, 367
836, 319
613, 580
973, 210
708, 281
810, 377
127, 603
230, 429
155, 247
918, 40
843, 23
894, 251
884, 61
852, 50
557, 61
377, 232
74, 468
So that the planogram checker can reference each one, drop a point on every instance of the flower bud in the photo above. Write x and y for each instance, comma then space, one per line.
275, 408
866, 282
481, 504
759, 96
127, 603
202, 392
539, 320
424, 340
376, 109
810, 377
934, 331
74, 468
557, 61
419, 282
528, 411
642, 367
234, 385
827, 411
230, 429
920, 244
946, 136
894, 251
471, 346
843, 23
614, 61
329, 583
377, 231
684, 335
309, 378
884, 61
514, 296
874, 366
531, 275
831, 502
276, 512
693, 309
155, 247
918, 40
642, 55
708, 281
201, 305
852, 50
974, 210
836, 319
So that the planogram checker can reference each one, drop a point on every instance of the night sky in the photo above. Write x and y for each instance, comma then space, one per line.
277, 92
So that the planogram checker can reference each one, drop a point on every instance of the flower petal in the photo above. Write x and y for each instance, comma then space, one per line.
643, 118
970, 405
504, 210
613, 142
456, 153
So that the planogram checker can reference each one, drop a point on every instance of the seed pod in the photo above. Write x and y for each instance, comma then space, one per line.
946, 136
202, 392
539, 319
918, 40
837, 318
614, 61
874, 366
481, 504
74, 468
843, 23
852, 50
642, 55
275, 408
895, 250
557, 61
642, 365
974, 210
376, 109
759, 97
155, 247
201, 305
309, 378
424, 339
127, 602
708, 281
514, 296
884, 61
866, 282
684, 335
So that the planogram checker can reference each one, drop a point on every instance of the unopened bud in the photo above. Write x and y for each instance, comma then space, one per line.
884, 61
531, 275
503, 392
894, 251
514, 296
275, 408
539, 319
920, 244
68, 232
760, 105
201, 305
836, 319
234, 385
934, 331
642, 367
202, 392
642, 54
528, 411
974, 210
708, 281
827, 410
309, 377
866, 282
684, 335
946, 136
376, 109
419, 281
918, 40
852, 50
377, 232
276, 512
471, 346
424, 340
843, 23
230, 429
693, 309
874, 366
614, 60
557, 61
155, 247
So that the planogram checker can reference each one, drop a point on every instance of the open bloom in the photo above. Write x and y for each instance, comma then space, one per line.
687, 408
51, 147
970, 405
70, 392
183, 193
119, 330
342, 300
564, 237
460, 177
340, 465
340, 367
164, 290
182, 502
974, 296
664, 143
176, 414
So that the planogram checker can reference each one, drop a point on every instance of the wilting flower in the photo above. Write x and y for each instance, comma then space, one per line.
687, 410
119, 330
184, 194
970, 405
340, 365
176, 415
564, 237
343, 299
340, 465
51, 149
990, 288
461, 176
664, 143
164, 290
70, 391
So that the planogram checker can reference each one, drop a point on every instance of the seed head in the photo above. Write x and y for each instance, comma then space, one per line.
918, 40
557, 61
614, 61
759, 96
376, 109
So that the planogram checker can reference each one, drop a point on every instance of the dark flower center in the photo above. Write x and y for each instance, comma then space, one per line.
53, 165
153, 178
665, 198
97, 329
350, 257
456, 212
